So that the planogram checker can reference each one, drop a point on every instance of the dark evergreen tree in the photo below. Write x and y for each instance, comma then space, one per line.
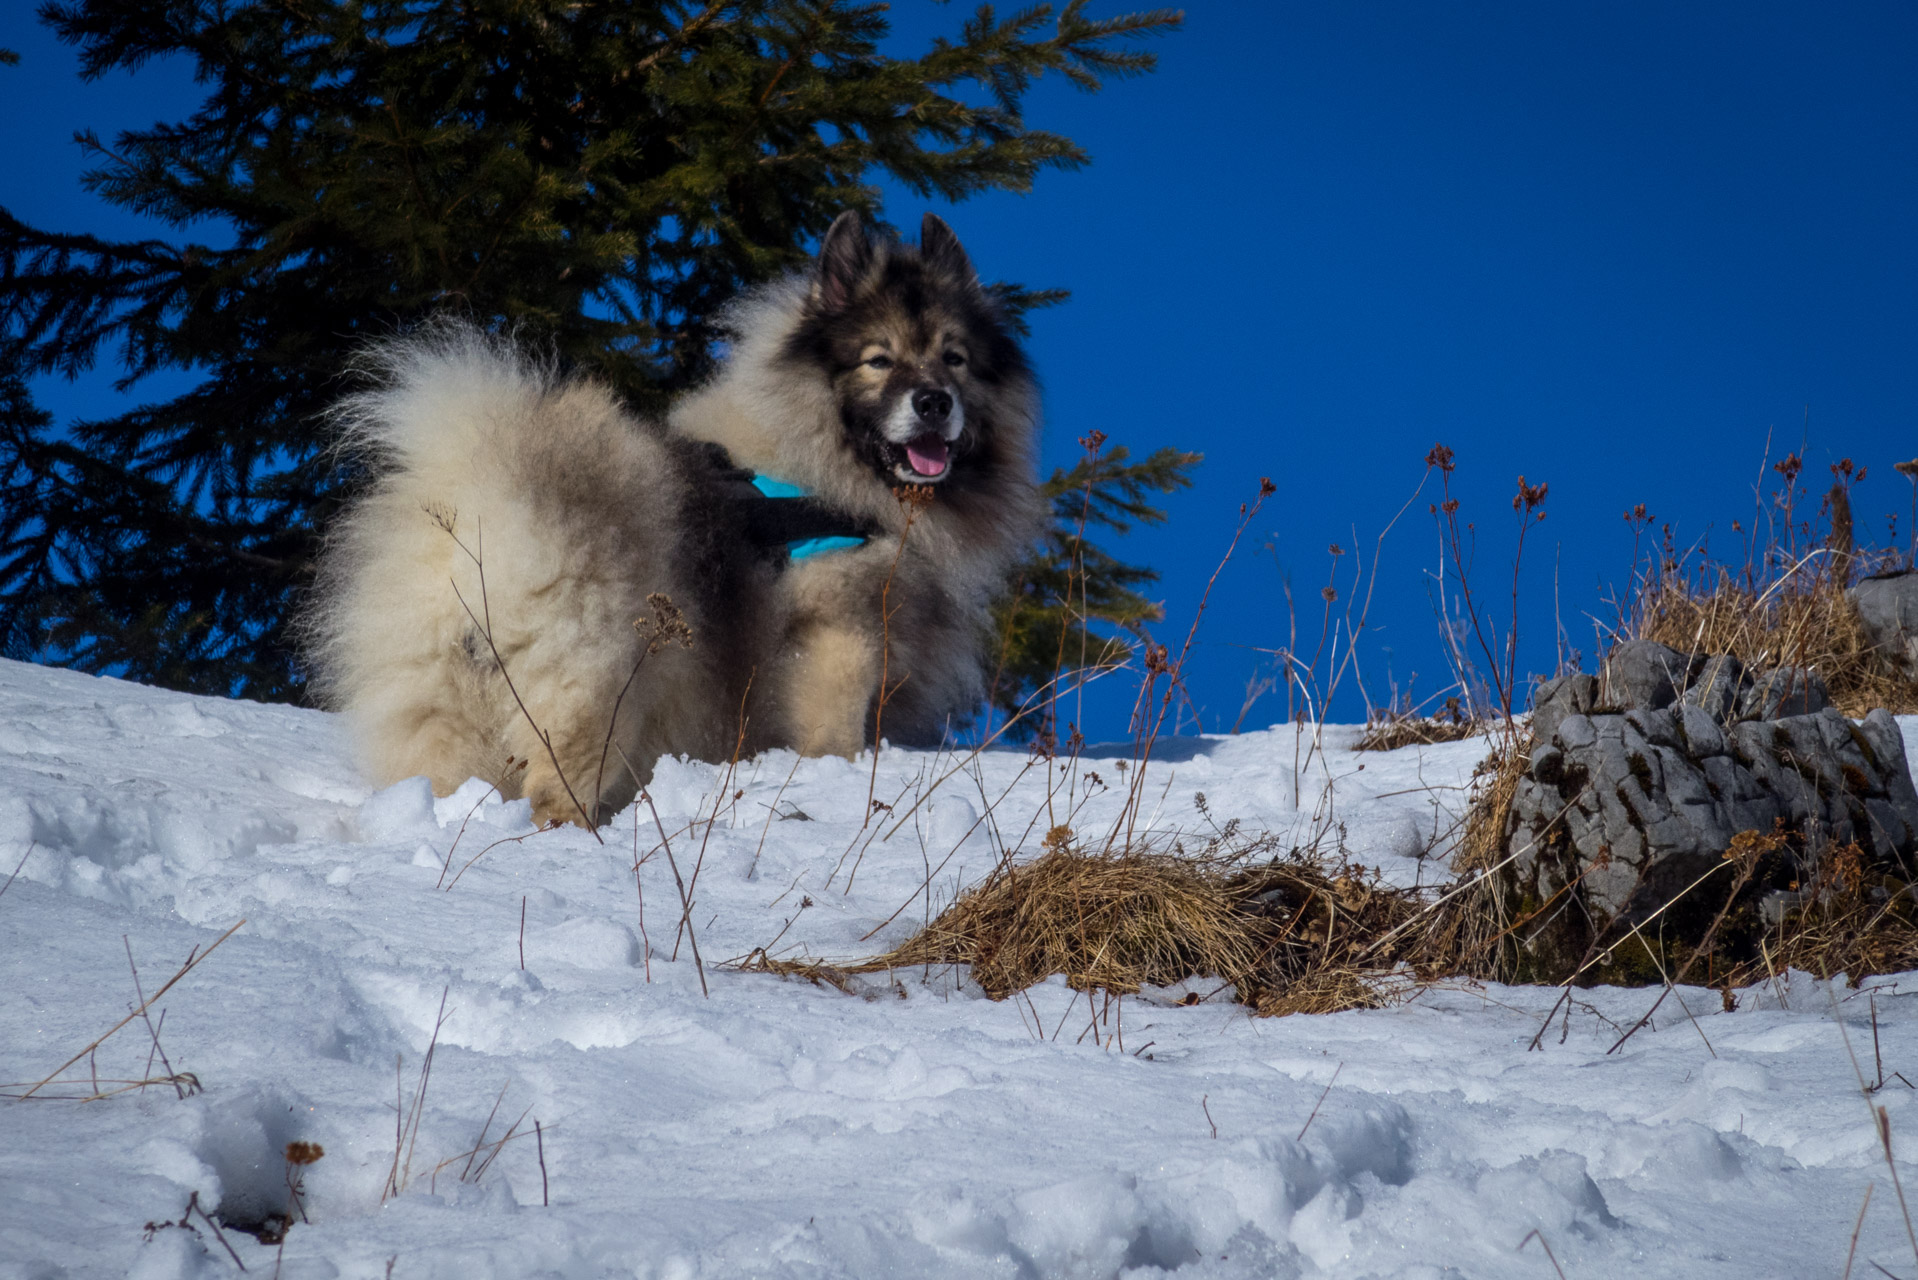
1050, 620
599, 174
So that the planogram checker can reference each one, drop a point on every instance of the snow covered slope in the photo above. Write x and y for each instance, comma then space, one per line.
778, 1129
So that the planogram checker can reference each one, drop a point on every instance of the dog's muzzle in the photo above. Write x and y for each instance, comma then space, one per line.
925, 425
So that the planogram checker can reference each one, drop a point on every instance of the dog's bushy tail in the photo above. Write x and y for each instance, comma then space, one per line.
424, 391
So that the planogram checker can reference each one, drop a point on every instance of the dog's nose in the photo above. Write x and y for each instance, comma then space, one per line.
932, 404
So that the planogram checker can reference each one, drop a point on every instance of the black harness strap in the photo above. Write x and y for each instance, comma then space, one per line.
773, 524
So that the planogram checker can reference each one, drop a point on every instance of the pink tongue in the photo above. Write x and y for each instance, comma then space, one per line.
927, 455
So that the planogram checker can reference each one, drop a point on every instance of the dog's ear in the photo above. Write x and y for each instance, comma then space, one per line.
843, 259
942, 250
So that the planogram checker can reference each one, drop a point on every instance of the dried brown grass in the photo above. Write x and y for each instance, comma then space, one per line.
1389, 732
1802, 621
1292, 935
1850, 918
1489, 809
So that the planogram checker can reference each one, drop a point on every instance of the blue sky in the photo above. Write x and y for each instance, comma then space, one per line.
1613, 247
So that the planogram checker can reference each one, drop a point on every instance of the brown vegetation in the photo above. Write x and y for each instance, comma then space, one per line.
1849, 918
1786, 605
1387, 731
1801, 619
1291, 935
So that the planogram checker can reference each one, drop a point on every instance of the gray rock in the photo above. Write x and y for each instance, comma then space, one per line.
1576, 731
1644, 674
1547, 762
1784, 691
1704, 738
1718, 688
1635, 806
1553, 700
1888, 607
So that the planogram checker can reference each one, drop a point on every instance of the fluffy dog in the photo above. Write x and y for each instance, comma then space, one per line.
496, 604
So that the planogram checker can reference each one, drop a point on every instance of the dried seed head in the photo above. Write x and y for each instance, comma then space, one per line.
304, 1152
667, 626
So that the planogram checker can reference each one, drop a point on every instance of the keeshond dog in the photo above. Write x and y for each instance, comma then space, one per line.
548, 591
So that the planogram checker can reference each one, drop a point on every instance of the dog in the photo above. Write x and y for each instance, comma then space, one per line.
543, 589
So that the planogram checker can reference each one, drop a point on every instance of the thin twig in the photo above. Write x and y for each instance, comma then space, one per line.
1532, 1235
685, 901
1857, 1227
153, 1032
16, 869
193, 1205
192, 960
1745, 872
1321, 1102
1880, 1123
912, 500
486, 630
772, 813
459, 835
539, 1139
406, 1133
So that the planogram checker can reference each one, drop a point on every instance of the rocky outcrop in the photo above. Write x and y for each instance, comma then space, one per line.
1640, 778
1888, 608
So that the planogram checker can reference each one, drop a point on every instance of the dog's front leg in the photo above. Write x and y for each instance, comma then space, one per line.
831, 683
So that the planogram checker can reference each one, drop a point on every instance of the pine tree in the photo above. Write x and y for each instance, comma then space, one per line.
600, 175
1046, 620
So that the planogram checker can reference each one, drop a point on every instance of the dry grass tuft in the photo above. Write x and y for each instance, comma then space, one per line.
1849, 918
1289, 936
1388, 732
1798, 621
1494, 784
1117, 923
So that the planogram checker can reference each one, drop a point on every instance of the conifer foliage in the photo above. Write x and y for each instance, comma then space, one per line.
600, 175
1045, 621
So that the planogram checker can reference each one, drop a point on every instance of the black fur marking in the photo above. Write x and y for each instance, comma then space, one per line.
843, 259
942, 250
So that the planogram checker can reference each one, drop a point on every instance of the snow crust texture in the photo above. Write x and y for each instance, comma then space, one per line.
779, 1129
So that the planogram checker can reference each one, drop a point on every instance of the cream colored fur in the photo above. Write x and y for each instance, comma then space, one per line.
495, 469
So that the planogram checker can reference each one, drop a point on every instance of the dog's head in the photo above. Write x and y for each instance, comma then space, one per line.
915, 349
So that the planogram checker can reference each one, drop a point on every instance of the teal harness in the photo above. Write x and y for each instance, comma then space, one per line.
803, 548
776, 518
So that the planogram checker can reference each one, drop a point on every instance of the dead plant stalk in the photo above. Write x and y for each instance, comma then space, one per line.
192, 960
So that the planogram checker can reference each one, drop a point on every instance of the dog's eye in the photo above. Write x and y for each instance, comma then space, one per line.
955, 359
879, 362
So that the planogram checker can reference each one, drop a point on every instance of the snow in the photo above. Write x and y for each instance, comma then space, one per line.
775, 1128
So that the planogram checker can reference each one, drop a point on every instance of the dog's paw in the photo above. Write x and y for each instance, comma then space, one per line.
553, 807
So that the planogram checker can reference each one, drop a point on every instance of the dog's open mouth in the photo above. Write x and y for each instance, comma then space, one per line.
928, 455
